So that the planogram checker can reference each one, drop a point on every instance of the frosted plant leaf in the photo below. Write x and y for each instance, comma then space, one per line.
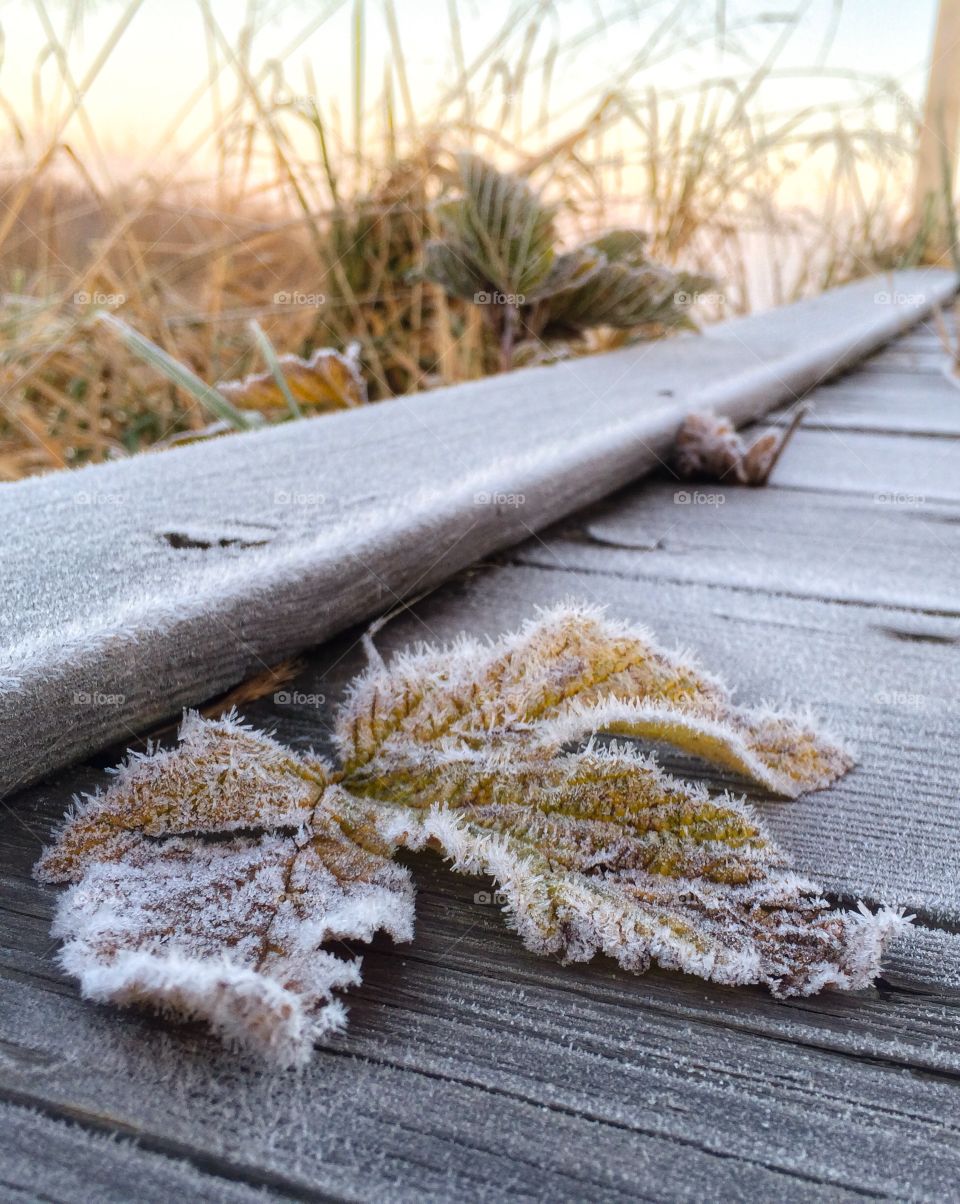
209, 878
708, 447
328, 380
464, 750
784, 753
566, 675
601, 852
220, 778
228, 930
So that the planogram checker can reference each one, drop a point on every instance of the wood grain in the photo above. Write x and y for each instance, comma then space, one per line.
45, 1158
470, 1064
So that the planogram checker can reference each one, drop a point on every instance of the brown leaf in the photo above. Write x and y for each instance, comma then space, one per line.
329, 380
227, 930
709, 448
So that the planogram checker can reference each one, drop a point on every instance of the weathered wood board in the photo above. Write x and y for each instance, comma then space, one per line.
889, 548
168, 577
472, 1069
45, 1158
921, 405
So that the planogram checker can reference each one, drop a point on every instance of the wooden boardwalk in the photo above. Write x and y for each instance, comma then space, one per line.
473, 1070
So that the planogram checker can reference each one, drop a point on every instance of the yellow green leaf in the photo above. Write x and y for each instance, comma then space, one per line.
328, 380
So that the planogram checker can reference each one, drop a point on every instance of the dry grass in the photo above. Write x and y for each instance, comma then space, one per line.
301, 208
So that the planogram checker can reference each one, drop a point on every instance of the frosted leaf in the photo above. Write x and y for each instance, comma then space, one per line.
783, 753
220, 778
228, 930
328, 380
464, 749
571, 673
209, 878
601, 852
709, 448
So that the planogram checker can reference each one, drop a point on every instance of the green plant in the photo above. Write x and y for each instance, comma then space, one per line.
498, 248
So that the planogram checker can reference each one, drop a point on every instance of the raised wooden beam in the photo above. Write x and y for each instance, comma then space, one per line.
132, 589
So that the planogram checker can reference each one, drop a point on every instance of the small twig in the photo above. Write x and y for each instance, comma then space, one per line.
799, 414
374, 659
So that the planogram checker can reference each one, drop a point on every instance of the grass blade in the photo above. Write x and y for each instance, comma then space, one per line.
178, 373
266, 349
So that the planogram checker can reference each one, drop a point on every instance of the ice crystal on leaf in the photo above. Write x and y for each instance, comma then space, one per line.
210, 877
328, 380
562, 678
229, 930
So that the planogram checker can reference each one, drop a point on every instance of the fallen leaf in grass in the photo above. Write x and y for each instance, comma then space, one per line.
328, 380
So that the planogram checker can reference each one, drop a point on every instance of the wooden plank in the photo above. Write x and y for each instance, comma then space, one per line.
893, 465
131, 589
928, 406
471, 1064
926, 959
893, 549
43, 1158
927, 335
925, 360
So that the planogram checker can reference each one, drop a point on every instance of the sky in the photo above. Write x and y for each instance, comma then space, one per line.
162, 58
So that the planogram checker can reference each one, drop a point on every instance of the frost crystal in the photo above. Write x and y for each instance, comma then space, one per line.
227, 930
471, 750
329, 380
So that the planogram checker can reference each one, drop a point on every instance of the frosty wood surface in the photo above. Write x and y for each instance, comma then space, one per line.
921, 405
920, 466
44, 1158
892, 548
474, 1069
131, 589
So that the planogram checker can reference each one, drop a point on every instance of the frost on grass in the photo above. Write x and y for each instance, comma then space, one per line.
209, 878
